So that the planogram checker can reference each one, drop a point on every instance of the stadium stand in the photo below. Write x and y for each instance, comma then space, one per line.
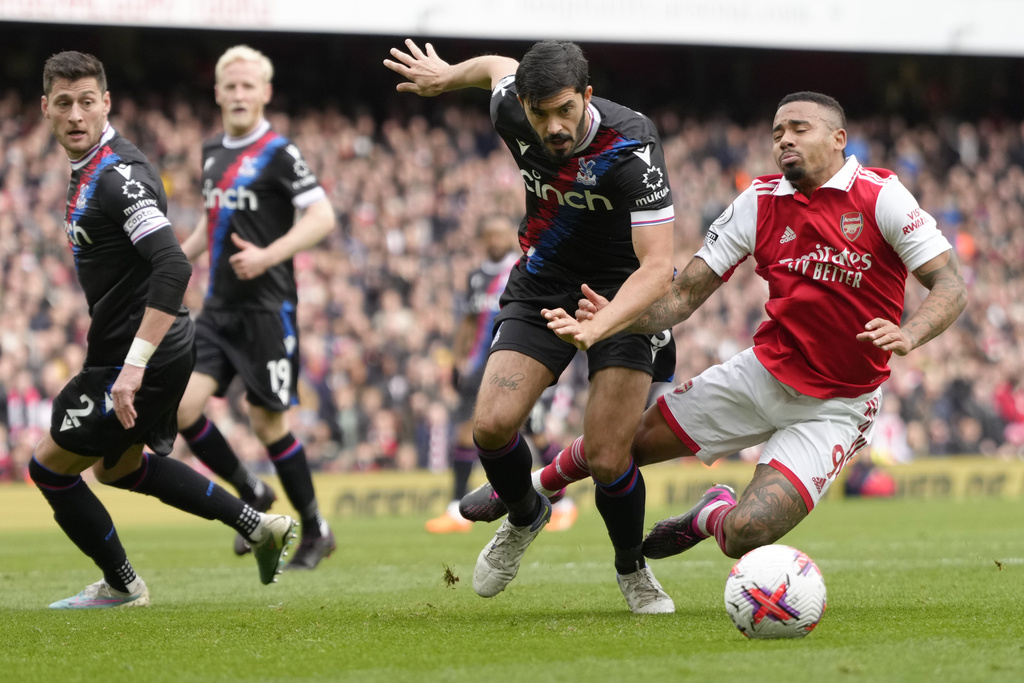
376, 298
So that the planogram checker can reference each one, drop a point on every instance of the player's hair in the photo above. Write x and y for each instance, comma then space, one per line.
73, 66
244, 53
550, 66
488, 219
817, 98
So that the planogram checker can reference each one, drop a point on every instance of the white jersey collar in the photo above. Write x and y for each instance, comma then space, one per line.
595, 123
842, 180
108, 132
259, 131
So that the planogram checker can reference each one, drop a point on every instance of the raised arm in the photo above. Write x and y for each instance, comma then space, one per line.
947, 297
429, 75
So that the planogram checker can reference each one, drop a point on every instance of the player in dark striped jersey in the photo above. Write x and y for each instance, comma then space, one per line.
254, 181
598, 210
472, 341
140, 348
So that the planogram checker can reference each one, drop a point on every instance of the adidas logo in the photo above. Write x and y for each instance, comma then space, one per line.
788, 236
818, 483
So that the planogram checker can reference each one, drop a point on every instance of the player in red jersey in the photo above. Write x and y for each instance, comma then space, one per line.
834, 241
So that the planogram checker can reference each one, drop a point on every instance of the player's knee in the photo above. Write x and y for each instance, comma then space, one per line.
740, 540
491, 432
606, 465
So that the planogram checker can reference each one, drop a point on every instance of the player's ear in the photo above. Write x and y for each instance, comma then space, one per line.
45, 106
839, 138
268, 93
106, 102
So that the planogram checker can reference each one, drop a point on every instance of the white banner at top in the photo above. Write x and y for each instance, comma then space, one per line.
977, 27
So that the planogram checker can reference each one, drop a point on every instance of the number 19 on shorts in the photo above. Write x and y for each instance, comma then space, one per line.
280, 372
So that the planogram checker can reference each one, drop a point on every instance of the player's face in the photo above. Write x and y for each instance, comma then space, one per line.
498, 238
242, 92
808, 144
560, 121
77, 111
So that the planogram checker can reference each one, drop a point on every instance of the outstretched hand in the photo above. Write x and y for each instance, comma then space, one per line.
575, 330
590, 304
425, 71
887, 336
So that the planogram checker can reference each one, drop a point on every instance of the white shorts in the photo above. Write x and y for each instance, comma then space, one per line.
739, 404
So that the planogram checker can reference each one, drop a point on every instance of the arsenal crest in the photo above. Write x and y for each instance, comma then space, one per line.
684, 387
851, 224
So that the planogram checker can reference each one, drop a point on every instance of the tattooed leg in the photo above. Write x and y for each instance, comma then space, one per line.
767, 511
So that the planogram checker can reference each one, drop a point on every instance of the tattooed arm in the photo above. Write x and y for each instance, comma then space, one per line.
689, 290
947, 297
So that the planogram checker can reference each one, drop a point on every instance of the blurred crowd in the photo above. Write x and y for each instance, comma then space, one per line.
378, 298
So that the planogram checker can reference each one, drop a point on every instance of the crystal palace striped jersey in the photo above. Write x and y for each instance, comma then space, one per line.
115, 199
580, 215
252, 187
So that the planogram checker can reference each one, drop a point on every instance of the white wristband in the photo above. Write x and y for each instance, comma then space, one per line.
140, 353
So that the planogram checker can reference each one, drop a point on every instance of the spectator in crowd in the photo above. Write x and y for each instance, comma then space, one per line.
408, 193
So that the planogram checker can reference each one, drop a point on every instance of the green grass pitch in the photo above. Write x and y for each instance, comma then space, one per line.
917, 591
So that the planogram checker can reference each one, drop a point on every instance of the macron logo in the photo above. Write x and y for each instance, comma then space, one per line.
522, 147
644, 154
788, 236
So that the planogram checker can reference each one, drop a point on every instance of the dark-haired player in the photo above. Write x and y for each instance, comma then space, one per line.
140, 349
254, 181
598, 209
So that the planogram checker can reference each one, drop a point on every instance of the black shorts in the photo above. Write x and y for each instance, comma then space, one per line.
260, 346
522, 328
83, 419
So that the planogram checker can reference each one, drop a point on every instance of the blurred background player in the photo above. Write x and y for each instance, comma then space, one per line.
497, 234
140, 349
254, 181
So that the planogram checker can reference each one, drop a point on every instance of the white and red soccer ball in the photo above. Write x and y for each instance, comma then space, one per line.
775, 592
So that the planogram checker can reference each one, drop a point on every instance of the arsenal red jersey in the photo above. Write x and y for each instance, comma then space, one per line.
832, 262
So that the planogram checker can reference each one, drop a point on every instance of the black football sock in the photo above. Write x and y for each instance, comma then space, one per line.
81, 516
178, 485
463, 460
508, 470
622, 504
212, 449
289, 458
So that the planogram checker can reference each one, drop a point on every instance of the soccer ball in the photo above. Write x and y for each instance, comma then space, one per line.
775, 592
